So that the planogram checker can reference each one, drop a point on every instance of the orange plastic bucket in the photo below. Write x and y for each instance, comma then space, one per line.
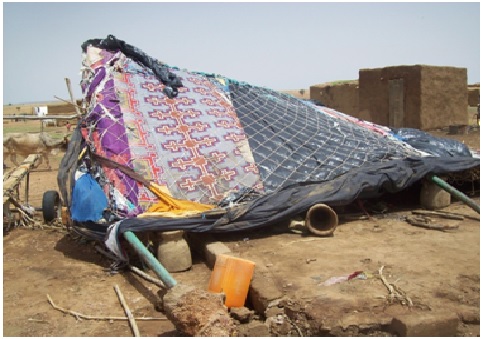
232, 276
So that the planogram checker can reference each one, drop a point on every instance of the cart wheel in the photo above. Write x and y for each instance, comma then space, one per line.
51, 206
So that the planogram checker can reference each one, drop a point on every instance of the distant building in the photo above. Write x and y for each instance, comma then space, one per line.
418, 96
41, 111
343, 96
473, 95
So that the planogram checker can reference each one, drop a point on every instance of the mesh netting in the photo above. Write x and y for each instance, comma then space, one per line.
293, 141
214, 138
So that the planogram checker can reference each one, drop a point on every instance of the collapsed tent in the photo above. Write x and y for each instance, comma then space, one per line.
214, 141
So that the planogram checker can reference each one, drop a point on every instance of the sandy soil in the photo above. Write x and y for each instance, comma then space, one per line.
439, 271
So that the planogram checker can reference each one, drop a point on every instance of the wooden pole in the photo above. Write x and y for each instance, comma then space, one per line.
129, 315
67, 80
147, 277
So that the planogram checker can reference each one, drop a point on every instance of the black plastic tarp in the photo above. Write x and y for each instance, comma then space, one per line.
367, 182
428, 143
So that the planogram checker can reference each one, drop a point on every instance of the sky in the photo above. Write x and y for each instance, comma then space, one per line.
277, 45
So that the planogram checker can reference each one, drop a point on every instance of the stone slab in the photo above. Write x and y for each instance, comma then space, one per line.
425, 325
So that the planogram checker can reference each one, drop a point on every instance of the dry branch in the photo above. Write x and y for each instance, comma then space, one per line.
445, 215
91, 317
425, 223
468, 216
66, 101
147, 277
133, 269
69, 88
394, 291
132, 323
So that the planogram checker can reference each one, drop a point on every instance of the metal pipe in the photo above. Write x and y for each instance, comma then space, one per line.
150, 260
450, 189
321, 220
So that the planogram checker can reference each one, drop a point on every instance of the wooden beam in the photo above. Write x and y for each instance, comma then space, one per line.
11, 182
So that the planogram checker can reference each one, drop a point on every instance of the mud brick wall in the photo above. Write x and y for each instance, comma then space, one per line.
434, 97
473, 96
54, 108
61, 109
341, 97
373, 104
22, 109
374, 93
444, 99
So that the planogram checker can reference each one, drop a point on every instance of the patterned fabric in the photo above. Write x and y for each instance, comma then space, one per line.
193, 144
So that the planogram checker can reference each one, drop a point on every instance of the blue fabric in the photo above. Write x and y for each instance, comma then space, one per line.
88, 200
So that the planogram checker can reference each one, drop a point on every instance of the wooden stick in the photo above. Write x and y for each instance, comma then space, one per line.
384, 281
66, 101
296, 327
132, 323
133, 269
434, 227
147, 277
25, 217
391, 287
107, 254
447, 213
67, 80
424, 224
90, 317
440, 214
37, 320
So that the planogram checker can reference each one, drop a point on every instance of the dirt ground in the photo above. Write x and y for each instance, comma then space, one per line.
438, 271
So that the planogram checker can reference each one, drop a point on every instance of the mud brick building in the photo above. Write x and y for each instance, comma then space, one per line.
419, 96
473, 95
343, 96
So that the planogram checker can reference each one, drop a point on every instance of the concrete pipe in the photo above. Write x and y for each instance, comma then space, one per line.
321, 220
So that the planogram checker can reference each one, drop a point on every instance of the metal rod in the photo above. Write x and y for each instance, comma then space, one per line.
150, 260
450, 189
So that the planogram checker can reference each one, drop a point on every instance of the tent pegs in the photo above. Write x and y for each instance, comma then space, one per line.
450, 189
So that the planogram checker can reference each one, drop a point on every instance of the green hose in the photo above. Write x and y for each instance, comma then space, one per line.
151, 261
450, 189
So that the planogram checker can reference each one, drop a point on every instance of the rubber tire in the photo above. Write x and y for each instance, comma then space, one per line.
50, 205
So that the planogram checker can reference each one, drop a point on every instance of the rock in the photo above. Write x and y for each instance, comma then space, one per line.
425, 325
273, 311
263, 289
258, 329
242, 314
197, 313
433, 197
470, 317
212, 250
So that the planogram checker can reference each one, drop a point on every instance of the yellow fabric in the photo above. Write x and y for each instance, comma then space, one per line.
176, 214
176, 206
